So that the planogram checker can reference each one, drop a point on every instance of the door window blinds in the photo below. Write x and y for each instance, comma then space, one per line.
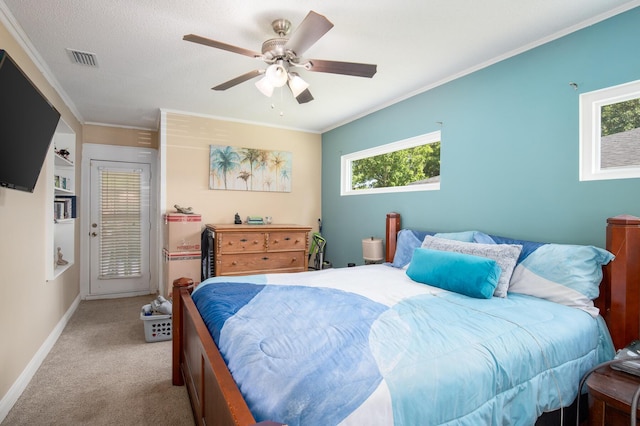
120, 224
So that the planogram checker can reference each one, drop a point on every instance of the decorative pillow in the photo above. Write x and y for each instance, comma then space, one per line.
408, 240
473, 276
563, 273
466, 236
505, 255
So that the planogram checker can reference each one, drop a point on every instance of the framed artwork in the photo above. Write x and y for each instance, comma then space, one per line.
610, 133
249, 169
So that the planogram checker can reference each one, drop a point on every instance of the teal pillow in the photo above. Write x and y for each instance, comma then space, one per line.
466, 274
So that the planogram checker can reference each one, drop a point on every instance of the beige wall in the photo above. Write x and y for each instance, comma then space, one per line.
108, 135
31, 306
187, 139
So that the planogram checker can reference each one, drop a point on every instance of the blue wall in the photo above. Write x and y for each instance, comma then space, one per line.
510, 146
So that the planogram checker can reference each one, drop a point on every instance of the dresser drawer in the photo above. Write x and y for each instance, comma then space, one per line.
286, 240
241, 264
240, 242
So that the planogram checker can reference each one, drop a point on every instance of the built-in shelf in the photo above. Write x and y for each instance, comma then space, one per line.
61, 202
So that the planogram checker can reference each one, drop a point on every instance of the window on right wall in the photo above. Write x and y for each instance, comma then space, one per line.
610, 133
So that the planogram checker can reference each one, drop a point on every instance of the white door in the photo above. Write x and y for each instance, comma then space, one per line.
119, 228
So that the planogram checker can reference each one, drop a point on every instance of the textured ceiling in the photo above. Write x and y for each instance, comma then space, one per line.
144, 65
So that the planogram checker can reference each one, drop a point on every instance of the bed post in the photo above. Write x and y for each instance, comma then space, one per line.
179, 286
393, 226
620, 298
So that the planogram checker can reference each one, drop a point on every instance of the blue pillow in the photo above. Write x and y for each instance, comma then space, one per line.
563, 273
466, 274
408, 240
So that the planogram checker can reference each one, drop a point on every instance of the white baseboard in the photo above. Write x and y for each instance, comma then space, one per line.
27, 374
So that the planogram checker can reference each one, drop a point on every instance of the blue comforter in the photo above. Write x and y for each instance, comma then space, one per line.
367, 345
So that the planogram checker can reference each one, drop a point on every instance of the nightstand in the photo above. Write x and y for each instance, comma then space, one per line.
610, 394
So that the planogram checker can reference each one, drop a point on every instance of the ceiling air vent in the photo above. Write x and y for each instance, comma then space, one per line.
83, 58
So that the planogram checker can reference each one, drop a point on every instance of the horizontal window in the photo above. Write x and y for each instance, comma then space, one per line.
408, 165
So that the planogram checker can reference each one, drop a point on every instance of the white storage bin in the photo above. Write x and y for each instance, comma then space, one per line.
156, 327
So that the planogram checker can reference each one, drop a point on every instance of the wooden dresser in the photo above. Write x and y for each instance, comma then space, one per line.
259, 249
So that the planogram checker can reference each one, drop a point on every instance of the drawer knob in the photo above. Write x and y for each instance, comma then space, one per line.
265, 258
234, 263
230, 243
275, 241
255, 241
294, 259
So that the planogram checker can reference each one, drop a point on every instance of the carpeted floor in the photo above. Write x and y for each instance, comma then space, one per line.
101, 371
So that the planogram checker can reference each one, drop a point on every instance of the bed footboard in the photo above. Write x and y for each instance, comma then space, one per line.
197, 363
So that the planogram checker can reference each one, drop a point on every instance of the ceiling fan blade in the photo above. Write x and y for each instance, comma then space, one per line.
347, 68
304, 97
219, 45
312, 27
238, 80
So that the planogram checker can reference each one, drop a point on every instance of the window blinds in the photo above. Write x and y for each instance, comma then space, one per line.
120, 224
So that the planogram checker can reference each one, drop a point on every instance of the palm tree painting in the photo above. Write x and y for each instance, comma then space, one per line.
249, 169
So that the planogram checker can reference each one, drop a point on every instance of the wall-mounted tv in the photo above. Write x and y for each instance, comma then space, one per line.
27, 124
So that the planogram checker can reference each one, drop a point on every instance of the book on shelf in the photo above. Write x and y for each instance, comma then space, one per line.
64, 207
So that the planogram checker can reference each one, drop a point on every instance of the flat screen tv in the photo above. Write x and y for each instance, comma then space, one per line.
27, 124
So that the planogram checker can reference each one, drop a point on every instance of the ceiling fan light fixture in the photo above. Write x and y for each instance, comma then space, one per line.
265, 86
276, 74
297, 84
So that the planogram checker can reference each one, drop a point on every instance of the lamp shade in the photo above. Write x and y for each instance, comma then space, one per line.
265, 86
372, 249
297, 84
276, 75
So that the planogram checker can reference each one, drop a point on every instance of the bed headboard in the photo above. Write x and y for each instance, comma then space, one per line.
619, 300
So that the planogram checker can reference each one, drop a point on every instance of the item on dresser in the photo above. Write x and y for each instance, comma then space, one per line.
255, 220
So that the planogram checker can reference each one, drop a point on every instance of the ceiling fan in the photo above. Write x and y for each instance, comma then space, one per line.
282, 53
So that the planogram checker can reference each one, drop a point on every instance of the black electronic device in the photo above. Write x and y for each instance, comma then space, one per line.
631, 353
27, 124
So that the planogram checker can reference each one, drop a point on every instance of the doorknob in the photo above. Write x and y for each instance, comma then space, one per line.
94, 234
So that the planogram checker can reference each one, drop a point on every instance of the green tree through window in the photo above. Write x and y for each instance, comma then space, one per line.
406, 165
620, 117
397, 168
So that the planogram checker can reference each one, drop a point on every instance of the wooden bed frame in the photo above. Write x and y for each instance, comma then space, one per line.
216, 399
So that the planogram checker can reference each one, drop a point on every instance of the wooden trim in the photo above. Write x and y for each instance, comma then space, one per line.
214, 395
620, 304
393, 227
179, 286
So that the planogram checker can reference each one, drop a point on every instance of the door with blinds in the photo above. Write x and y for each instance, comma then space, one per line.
119, 228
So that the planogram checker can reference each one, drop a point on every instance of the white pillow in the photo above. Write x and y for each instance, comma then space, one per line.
505, 255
